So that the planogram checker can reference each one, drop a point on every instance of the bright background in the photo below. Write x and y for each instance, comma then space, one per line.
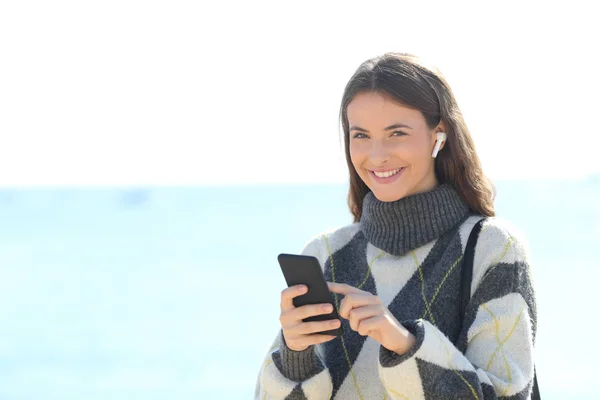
155, 157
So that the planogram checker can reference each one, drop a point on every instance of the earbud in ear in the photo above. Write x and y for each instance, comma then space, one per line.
441, 137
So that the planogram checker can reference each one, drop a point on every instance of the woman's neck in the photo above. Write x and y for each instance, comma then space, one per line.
411, 222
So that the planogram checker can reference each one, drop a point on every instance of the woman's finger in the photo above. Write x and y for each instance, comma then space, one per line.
355, 300
361, 313
296, 315
342, 288
307, 328
288, 295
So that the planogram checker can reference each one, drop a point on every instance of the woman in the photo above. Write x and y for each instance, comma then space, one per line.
416, 191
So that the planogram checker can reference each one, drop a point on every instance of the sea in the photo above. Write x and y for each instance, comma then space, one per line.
173, 292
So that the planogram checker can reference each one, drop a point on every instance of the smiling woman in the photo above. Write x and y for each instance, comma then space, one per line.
417, 190
392, 161
415, 104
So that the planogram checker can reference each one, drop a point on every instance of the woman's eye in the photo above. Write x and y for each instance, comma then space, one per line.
359, 136
398, 133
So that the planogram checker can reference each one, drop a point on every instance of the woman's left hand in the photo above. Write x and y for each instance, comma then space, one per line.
369, 317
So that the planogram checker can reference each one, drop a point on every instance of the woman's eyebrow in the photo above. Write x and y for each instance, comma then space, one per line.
394, 126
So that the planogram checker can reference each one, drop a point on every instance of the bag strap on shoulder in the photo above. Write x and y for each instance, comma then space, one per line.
465, 286
467, 269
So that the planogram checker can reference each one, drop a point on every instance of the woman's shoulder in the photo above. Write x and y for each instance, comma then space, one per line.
495, 231
500, 242
504, 234
329, 241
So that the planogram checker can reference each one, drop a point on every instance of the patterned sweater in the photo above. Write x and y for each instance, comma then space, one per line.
409, 253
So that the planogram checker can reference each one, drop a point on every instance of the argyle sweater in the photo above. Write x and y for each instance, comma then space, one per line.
409, 253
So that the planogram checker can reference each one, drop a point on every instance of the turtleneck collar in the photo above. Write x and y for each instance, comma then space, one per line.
400, 226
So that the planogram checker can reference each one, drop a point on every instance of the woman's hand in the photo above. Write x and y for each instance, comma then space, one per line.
369, 317
300, 335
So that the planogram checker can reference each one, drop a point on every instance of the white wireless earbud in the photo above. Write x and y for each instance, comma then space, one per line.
441, 137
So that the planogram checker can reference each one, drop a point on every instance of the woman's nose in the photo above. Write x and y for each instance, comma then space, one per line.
379, 153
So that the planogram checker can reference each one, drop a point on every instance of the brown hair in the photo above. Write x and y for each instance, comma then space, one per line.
408, 80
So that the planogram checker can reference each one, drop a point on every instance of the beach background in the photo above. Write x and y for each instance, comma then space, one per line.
159, 293
156, 157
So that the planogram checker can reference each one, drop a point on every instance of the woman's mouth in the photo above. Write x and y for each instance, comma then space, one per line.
386, 176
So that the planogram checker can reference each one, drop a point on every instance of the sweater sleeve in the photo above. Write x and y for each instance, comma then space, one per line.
289, 374
498, 334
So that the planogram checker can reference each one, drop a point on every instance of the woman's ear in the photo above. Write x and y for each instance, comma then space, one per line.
440, 136
439, 143
441, 128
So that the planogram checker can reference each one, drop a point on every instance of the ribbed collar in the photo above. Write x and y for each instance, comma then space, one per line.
400, 226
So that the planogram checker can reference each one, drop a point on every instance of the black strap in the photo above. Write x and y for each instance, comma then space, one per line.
465, 287
536, 389
467, 269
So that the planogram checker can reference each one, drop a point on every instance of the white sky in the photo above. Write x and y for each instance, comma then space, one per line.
247, 92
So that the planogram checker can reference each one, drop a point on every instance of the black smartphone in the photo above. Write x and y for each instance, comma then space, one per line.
306, 270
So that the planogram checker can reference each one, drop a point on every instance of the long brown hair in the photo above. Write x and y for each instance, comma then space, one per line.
410, 81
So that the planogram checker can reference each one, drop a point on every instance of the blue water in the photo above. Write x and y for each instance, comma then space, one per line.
173, 293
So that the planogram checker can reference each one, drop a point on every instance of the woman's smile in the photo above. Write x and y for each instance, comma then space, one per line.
388, 176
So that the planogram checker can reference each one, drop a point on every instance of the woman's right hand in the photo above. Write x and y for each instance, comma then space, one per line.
298, 334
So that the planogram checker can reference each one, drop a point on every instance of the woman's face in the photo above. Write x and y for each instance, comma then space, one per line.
391, 146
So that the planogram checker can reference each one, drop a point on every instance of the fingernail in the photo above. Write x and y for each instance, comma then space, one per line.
327, 308
301, 288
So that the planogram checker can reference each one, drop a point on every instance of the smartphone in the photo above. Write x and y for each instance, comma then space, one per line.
306, 270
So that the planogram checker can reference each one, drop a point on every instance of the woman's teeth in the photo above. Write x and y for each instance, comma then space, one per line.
387, 174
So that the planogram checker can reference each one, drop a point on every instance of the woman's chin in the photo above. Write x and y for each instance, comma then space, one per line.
389, 196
